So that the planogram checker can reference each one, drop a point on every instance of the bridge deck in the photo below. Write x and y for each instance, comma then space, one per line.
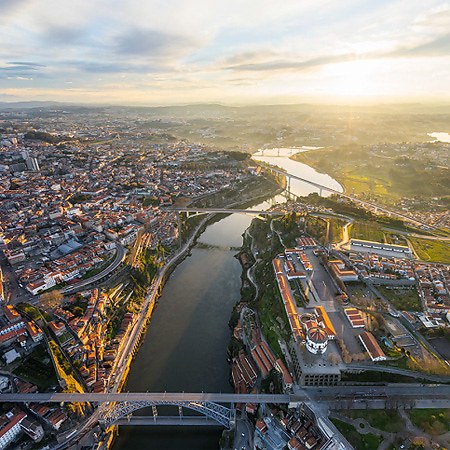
223, 211
437, 391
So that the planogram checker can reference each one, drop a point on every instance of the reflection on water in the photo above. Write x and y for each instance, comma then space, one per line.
280, 158
440, 136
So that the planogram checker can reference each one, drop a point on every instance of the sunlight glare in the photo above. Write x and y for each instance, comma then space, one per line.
353, 79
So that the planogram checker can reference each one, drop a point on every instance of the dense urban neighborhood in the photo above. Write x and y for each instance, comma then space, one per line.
339, 297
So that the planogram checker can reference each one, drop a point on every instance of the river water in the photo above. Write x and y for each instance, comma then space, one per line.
185, 348
439, 136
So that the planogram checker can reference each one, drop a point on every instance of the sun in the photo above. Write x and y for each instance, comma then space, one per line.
353, 79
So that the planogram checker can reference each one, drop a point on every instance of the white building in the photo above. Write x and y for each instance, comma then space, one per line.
12, 327
10, 356
359, 245
10, 427
316, 340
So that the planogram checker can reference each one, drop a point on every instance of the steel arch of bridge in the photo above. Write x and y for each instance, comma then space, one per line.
221, 414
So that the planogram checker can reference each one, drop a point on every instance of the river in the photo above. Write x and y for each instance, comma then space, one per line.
439, 136
185, 348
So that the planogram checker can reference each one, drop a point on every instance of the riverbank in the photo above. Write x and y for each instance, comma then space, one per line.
168, 269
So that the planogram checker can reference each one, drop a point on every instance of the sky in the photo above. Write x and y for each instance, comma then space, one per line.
157, 52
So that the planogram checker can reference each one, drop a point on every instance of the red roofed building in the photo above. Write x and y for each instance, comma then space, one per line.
10, 427
371, 345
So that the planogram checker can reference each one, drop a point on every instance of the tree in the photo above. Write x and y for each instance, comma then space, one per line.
77, 311
333, 359
51, 299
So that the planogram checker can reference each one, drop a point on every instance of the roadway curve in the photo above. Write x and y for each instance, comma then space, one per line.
120, 253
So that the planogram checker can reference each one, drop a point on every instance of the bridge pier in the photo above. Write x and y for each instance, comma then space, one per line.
154, 412
232, 417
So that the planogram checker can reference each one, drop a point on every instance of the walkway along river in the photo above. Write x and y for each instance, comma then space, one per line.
185, 348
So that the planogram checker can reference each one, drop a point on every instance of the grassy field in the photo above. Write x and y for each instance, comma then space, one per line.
366, 230
358, 441
432, 421
317, 228
335, 233
64, 369
385, 420
396, 239
358, 183
437, 251
38, 369
380, 177
402, 299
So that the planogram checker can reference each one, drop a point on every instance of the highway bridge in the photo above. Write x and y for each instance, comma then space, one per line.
256, 212
322, 187
323, 394
219, 408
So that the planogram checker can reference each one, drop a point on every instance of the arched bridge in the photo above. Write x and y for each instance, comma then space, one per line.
220, 414
198, 211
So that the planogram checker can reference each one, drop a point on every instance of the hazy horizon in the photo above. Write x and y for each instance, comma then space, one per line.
234, 53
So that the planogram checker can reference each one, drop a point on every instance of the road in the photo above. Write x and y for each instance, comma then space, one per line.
14, 292
408, 373
224, 211
324, 394
243, 436
349, 197
113, 266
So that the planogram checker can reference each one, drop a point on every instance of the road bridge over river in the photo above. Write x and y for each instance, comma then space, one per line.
321, 188
325, 394
256, 212
219, 408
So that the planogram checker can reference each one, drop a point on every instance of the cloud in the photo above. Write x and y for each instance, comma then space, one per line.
21, 70
290, 64
6, 5
440, 46
152, 43
112, 67
65, 35
26, 64
20, 78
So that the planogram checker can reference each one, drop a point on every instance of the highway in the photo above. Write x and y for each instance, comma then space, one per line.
342, 194
321, 394
224, 211
113, 266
